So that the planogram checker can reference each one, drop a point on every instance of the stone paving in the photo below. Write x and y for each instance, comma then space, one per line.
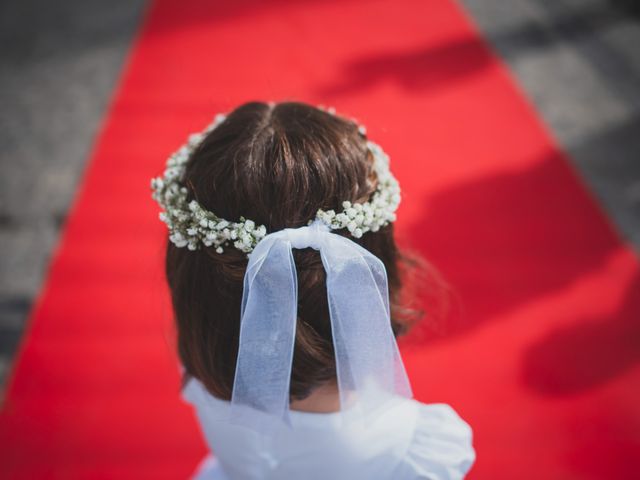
59, 63
577, 60
579, 63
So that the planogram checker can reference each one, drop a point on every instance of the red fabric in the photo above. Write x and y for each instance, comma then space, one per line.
543, 365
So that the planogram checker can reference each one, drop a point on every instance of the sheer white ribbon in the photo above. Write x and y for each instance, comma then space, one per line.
368, 363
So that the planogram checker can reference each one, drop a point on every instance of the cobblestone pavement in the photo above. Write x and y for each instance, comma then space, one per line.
579, 63
577, 60
59, 63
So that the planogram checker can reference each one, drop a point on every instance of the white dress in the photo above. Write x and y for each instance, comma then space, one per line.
410, 440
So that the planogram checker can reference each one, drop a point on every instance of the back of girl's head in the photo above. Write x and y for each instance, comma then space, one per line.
276, 165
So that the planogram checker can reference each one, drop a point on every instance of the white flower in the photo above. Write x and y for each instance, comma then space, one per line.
190, 224
260, 231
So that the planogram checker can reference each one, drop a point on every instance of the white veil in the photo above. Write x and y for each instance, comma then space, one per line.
368, 364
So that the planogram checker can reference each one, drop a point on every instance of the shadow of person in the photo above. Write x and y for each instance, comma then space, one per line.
588, 353
422, 68
206, 14
507, 239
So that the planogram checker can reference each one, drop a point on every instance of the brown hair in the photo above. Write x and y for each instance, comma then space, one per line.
277, 165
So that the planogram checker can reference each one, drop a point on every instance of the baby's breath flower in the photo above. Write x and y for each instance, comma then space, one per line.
190, 224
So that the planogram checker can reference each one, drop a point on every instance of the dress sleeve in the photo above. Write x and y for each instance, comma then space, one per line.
441, 448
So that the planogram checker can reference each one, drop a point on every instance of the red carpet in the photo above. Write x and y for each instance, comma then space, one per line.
543, 361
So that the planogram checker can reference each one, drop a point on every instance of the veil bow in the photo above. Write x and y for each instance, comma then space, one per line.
368, 362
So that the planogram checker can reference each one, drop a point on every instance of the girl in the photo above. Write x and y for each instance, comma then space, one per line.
285, 285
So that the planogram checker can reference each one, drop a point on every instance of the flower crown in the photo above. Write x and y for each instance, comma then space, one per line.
190, 225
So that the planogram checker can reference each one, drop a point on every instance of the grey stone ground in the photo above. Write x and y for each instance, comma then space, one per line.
579, 62
59, 61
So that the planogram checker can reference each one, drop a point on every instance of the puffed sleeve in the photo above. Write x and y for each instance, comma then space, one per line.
441, 447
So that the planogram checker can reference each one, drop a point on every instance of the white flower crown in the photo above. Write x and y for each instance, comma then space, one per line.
190, 225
